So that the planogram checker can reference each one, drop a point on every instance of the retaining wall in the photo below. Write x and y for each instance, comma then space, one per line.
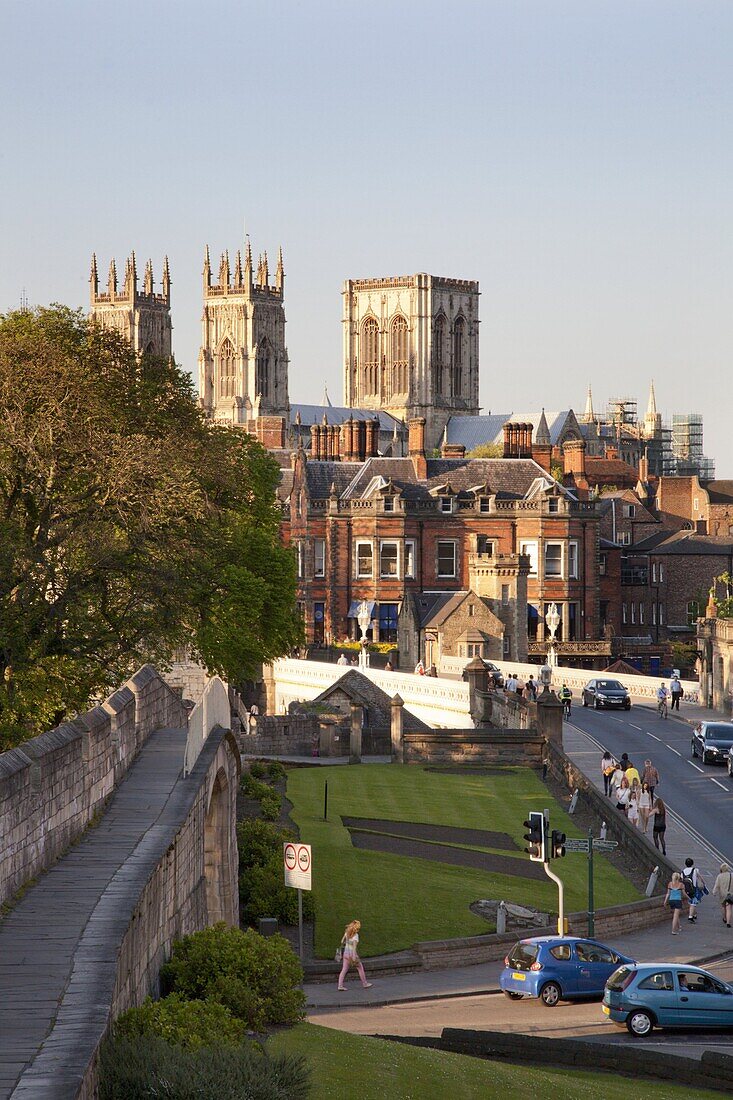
53, 785
471, 746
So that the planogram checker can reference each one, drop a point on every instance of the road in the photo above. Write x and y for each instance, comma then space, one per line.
700, 795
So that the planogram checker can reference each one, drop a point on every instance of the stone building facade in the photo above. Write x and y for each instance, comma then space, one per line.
243, 362
139, 314
411, 347
715, 644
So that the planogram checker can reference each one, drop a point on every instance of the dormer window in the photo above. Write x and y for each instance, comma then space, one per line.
388, 504
484, 504
446, 505
553, 504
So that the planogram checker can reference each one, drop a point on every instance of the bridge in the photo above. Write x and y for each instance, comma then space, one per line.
118, 837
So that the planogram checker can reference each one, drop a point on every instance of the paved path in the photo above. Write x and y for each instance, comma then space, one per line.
39, 937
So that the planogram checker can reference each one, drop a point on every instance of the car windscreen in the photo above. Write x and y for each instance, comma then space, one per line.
619, 979
609, 685
522, 955
719, 733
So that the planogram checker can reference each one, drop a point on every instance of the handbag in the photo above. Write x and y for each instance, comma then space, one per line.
339, 955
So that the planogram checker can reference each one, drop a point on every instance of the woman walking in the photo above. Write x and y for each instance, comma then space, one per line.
632, 809
623, 793
674, 898
608, 767
723, 889
659, 812
350, 945
645, 806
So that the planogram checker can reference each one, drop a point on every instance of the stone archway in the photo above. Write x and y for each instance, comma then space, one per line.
217, 853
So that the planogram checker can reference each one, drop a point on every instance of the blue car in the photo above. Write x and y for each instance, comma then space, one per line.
558, 968
650, 995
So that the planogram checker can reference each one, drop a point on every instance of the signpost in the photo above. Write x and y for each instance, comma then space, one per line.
589, 845
297, 863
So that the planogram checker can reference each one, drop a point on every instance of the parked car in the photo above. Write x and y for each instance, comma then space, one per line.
648, 995
558, 968
495, 671
606, 693
712, 742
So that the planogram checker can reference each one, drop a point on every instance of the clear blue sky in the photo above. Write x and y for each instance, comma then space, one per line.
574, 157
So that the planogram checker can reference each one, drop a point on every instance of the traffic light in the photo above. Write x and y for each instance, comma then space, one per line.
535, 837
557, 844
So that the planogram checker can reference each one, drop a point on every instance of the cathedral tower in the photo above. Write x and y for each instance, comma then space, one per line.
141, 316
411, 347
243, 362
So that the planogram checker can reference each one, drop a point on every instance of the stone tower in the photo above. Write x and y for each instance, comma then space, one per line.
411, 347
243, 363
141, 316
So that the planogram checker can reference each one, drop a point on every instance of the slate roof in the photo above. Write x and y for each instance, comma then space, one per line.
506, 477
321, 475
363, 692
337, 414
609, 471
720, 492
472, 431
685, 543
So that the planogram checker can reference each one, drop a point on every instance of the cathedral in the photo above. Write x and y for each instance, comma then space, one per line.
140, 315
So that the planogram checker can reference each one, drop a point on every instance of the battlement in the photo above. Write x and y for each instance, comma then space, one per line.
245, 280
129, 293
421, 279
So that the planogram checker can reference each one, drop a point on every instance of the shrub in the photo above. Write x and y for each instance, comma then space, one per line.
255, 977
258, 840
253, 788
276, 771
138, 1069
189, 1024
258, 769
262, 889
271, 805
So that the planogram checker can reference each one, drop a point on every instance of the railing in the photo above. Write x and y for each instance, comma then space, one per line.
211, 711
577, 649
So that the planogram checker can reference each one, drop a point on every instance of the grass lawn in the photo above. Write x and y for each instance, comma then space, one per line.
355, 1067
400, 900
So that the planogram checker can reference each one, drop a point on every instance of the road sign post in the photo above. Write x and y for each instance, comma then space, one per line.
297, 864
591, 903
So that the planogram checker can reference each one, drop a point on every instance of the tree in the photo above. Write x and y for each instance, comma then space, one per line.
487, 450
128, 525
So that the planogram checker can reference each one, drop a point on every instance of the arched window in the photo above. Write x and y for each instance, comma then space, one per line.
438, 354
227, 373
459, 335
399, 355
262, 378
370, 355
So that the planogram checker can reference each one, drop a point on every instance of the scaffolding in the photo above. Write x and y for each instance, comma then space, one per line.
622, 412
687, 446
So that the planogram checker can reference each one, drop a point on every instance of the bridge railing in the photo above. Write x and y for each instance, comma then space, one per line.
212, 710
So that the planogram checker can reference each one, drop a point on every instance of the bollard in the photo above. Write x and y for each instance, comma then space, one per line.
652, 883
501, 918
573, 801
604, 828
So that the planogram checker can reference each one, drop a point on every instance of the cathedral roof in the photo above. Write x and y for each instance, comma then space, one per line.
337, 414
473, 431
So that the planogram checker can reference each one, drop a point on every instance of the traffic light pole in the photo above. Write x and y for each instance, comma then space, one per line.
591, 901
561, 899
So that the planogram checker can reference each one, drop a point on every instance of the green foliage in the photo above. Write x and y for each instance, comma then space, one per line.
255, 977
262, 889
189, 1024
130, 525
258, 769
254, 788
269, 800
148, 1067
487, 450
271, 805
276, 771
557, 471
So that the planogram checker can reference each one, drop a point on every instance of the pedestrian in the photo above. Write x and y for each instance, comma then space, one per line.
660, 825
432, 671
632, 807
520, 686
616, 780
531, 688
419, 669
676, 692
389, 667
695, 887
723, 889
354, 660
650, 776
350, 956
566, 698
623, 794
254, 710
675, 898
632, 773
608, 767
645, 806
343, 660
511, 684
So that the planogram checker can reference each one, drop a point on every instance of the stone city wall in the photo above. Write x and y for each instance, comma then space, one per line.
471, 746
52, 786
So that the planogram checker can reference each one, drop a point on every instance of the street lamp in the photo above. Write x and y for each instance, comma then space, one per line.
552, 619
363, 618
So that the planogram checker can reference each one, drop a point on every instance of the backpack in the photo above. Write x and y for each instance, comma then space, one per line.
688, 883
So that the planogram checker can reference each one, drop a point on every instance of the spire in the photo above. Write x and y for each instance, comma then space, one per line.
238, 269
112, 279
542, 435
224, 271
651, 409
94, 276
148, 281
259, 270
166, 281
265, 270
131, 275
280, 273
326, 402
207, 267
589, 416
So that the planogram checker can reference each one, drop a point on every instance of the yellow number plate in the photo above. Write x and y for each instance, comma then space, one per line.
519, 977
606, 1010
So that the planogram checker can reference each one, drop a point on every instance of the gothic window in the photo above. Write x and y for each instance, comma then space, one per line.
438, 353
459, 335
262, 381
370, 355
399, 355
227, 373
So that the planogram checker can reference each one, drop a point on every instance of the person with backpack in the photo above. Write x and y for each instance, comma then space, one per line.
566, 698
694, 885
723, 890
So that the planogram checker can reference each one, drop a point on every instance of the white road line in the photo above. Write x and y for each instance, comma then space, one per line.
675, 751
719, 784
617, 719
697, 769
634, 727
655, 737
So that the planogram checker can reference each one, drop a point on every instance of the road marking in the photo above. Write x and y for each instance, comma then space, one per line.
678, 753
634, 727
616, 719
654, 736
719, 784
698, 769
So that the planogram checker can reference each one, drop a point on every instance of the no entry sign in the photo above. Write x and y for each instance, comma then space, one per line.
297, 864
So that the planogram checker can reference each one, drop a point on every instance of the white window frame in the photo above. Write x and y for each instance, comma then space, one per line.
383, 543
641, 613
633, 612
357, 569
602, 565
624, 613
545, 548
319, 557
484, 504
625, 538
301, 559
446, 505
654, 572
388, 502
530, 548
661, 614
654, 612
661, 572
629, 511
573, 567
410, 572
446, 542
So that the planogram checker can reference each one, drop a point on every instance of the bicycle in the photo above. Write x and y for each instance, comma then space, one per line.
566, 703
662, 708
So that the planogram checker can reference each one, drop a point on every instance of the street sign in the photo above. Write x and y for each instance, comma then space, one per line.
577, 845
297, 864
605, 845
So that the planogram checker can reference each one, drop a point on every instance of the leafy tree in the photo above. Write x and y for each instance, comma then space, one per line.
487, 450
129, 526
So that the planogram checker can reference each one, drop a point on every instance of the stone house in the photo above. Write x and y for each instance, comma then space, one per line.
432, 625
715, 644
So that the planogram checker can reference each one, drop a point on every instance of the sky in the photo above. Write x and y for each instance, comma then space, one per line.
574, 156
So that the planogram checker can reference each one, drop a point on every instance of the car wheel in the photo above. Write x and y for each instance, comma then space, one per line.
694, 750
639, 1023
512, 996
596, 705
550, 994
585, 701
627, 706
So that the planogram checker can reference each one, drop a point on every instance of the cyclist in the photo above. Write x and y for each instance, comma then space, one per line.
566, 697
662, 696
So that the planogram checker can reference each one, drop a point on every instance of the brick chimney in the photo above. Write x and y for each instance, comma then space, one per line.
416, 445
573, 454
452, 450
508, 440
372, 437
542, 454
348, 444
315, 441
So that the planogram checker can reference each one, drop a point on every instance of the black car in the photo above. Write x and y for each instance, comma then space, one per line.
606, 693
494, 671
712, 741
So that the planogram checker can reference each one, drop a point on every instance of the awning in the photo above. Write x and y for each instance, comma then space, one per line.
354, 608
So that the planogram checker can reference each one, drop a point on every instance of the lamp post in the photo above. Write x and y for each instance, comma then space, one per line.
552, 620
363, 618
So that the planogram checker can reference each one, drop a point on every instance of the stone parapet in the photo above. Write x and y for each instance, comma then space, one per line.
472, 746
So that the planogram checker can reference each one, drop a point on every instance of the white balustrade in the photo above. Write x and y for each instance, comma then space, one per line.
211, 711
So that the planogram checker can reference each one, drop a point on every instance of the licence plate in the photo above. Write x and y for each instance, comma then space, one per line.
606, 1010
519, 977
